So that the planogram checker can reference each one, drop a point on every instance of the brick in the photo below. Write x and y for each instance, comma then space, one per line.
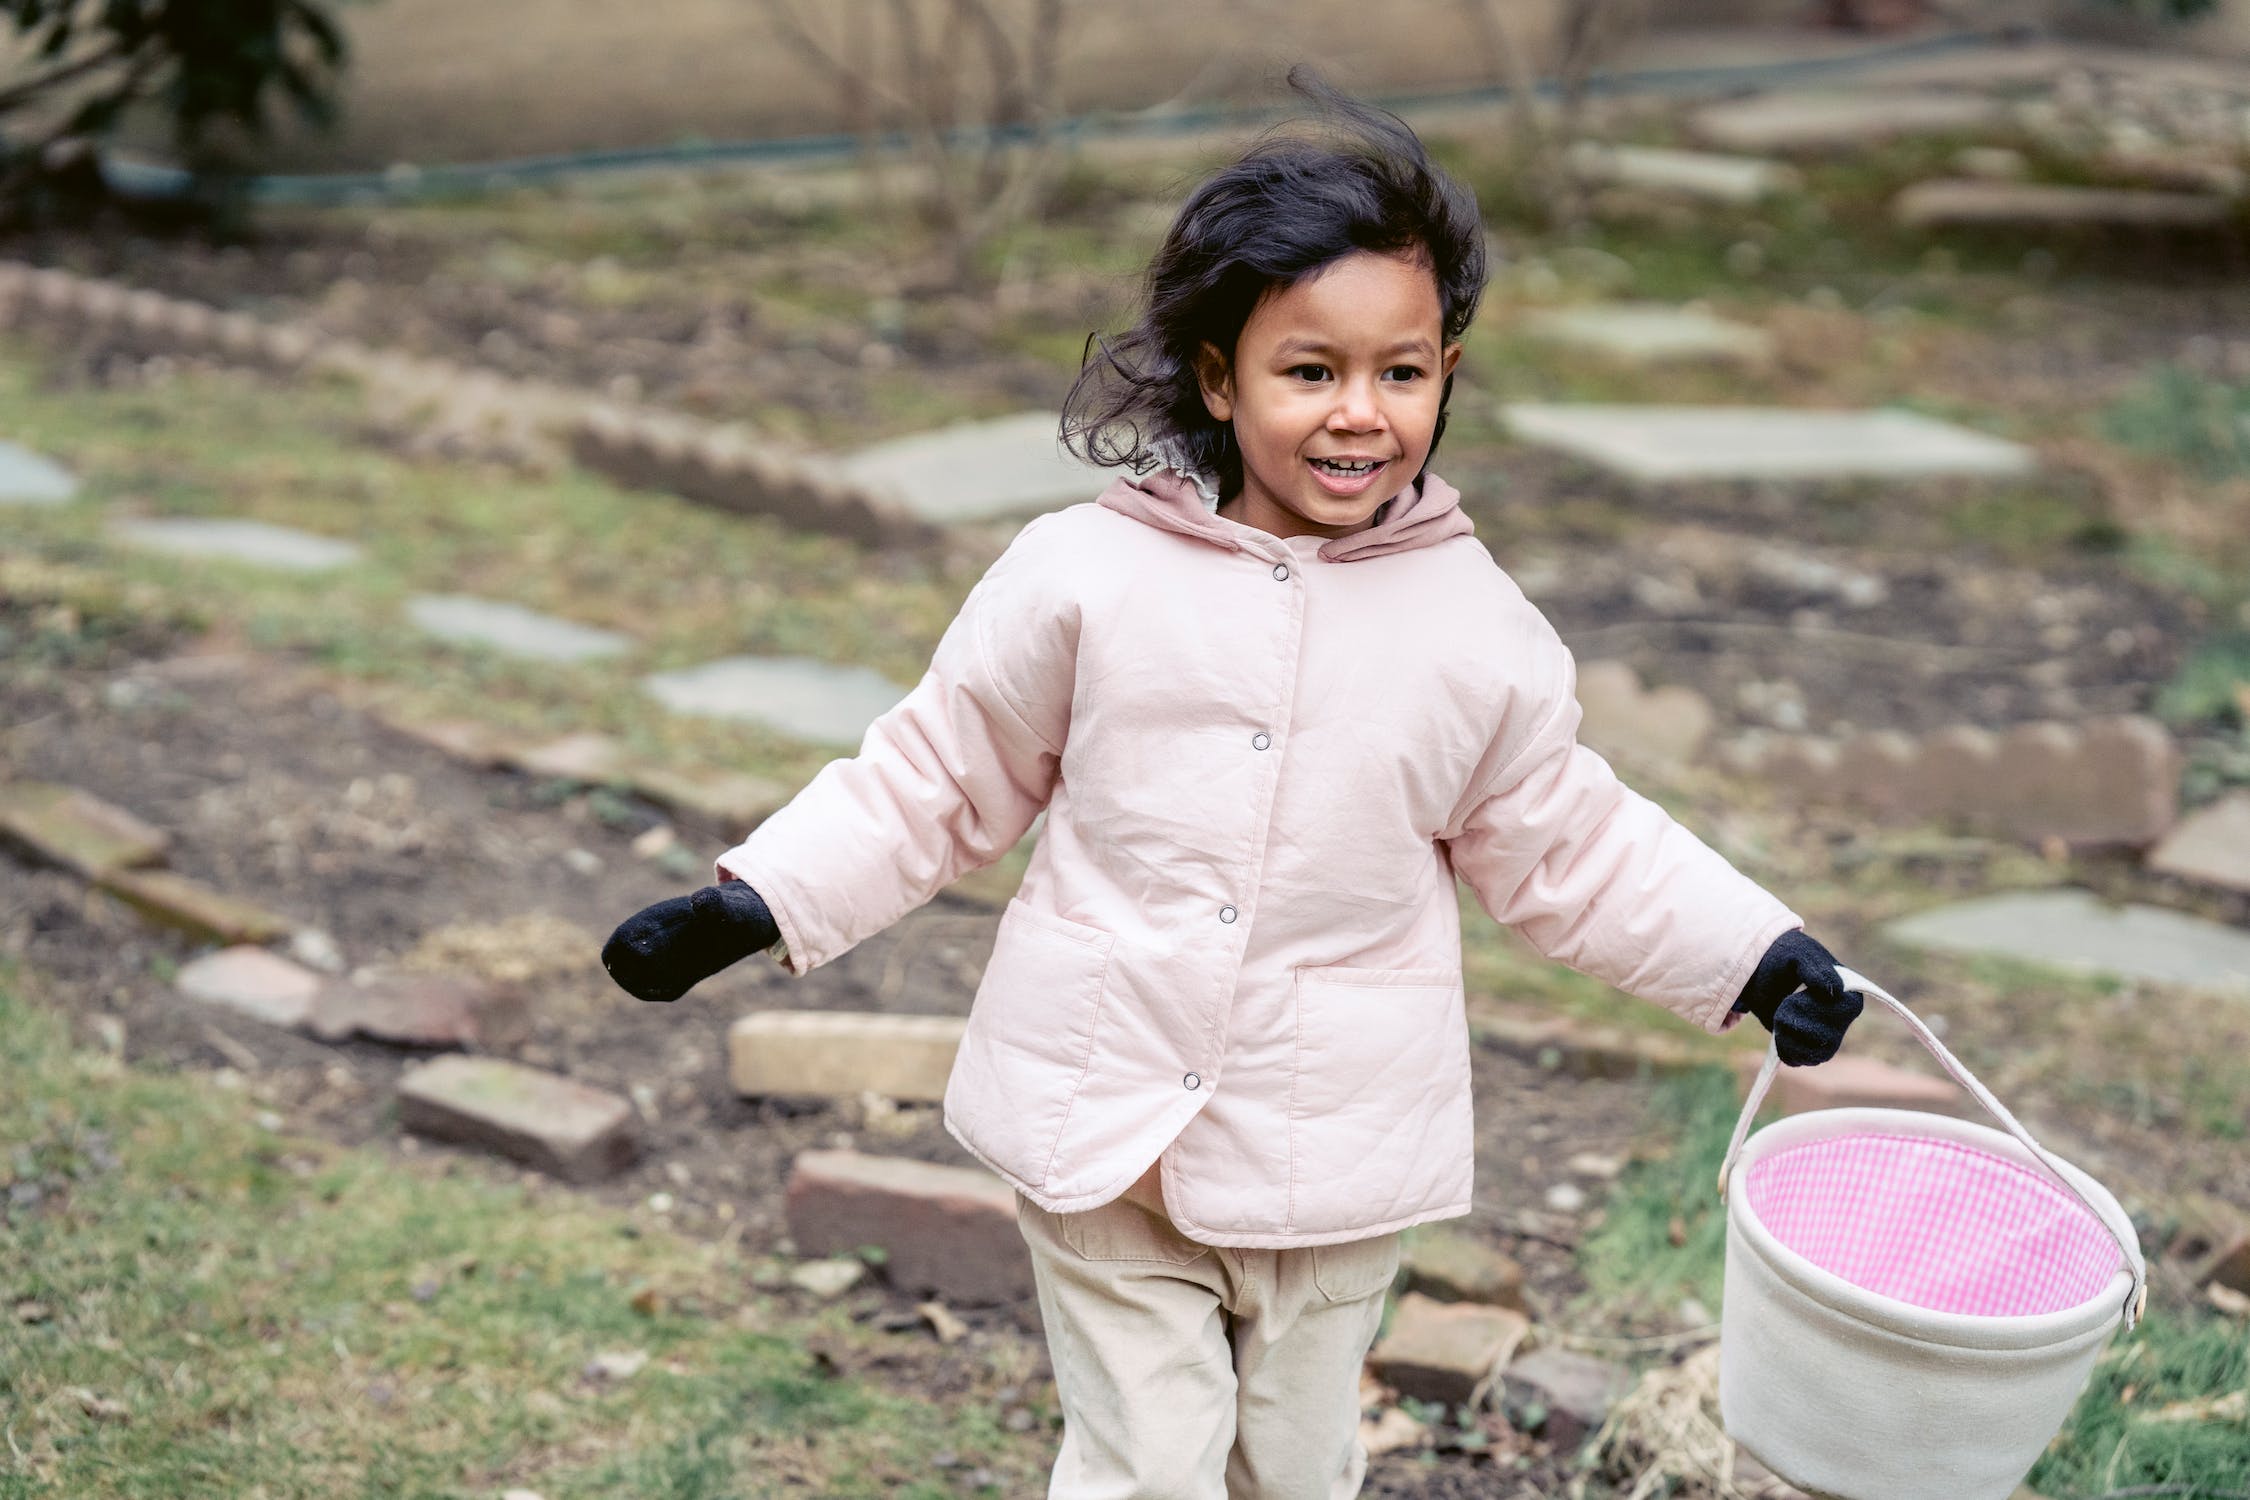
1446, 1351
1664, 726
2130, 778
462, 739
1802, 767
1589, 1051
210, 916
1957, 772
1519, 1030
252, 982
1453, 1267
1575, 1392
562, 1127
574, 757
420, 1010
1852, 1080
842, 1054
2211, 848
2213, 1242
1877, 771
61, 825
947, 1232
731, 801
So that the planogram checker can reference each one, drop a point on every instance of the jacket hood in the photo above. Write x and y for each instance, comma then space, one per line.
1421, 515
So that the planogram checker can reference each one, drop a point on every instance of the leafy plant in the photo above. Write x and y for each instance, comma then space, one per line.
2202, 424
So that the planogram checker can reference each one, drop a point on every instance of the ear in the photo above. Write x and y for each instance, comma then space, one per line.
1215, 375
1448, 360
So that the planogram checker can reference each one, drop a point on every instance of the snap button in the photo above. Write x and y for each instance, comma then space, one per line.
1259, 742
1192, 1081
1226, 913
1281, 570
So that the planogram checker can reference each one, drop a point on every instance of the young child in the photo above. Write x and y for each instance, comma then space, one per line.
1275, 699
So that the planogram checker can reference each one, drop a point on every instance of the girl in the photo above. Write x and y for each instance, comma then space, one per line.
1275, 699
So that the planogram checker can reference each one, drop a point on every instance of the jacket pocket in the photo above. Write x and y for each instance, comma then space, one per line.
1029, 1038
1380, 1118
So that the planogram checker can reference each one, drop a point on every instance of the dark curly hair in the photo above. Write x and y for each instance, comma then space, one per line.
1292, 204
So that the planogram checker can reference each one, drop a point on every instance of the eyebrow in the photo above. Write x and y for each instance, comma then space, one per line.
1316, 346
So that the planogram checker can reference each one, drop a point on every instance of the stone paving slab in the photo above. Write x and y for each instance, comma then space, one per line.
2073, 930
975, 471
1952, 202
1671, 444
252, 982
1839, 119
258, 543
173, 900
948, 1231
1650, 332
567, 1129
842, 1054
1690, 174
813, 700
61, 825
28, 479
513, 630
2211, 846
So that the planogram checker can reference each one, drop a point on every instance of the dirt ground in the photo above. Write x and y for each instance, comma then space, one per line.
273, 788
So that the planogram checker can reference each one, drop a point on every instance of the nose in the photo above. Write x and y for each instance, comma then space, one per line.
1356, 408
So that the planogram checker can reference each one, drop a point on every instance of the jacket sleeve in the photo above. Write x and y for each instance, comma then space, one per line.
1596, 876
945, 782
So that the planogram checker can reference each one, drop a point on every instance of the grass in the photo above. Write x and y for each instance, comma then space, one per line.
1631, 1262
196, 1305
2200, 423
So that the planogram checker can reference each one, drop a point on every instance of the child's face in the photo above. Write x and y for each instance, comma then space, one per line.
1340, 372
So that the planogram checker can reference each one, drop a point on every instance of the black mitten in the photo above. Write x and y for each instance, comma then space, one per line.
663, 951
1798, 995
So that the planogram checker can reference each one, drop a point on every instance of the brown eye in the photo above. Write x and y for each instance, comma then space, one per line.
1314, 373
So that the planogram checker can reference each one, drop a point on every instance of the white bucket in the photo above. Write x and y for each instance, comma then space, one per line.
1912, 1305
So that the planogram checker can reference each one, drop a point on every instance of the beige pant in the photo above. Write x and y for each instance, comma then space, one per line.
1199, 1372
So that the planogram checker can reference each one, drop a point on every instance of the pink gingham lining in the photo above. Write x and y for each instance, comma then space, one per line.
1934, 1224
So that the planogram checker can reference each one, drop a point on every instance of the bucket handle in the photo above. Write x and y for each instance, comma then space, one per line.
2113, 1219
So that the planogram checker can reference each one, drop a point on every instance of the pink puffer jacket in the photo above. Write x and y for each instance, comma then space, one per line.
1237, 947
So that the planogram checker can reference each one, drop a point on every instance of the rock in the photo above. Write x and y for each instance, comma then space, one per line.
1564, 1397
61, 825
1452, 1267
564, 1128
254, 543
2210, 847
732, 802
1684, 444
1446, 1351
28, 479
1393, 1430
1850, 1080
2213, 1242
1566, 1198
1992, 163
608, 1369
976, 470
315, 949
1665, 726
420, 1010
1838, 120
812, 700
946, 1231
512, 630
842, 1054
1650, 332
1958, 203
2074, 930
1879, 771
828, 1279
592, 758
1956, 773
206, 915
252, 982
1688, 174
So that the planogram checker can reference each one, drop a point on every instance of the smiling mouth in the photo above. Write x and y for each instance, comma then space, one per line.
1348, 468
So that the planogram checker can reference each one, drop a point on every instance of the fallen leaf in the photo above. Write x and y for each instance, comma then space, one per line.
100, 1408
648, 1302
948, 1328
33, 1312
618, 1365
2234, 1406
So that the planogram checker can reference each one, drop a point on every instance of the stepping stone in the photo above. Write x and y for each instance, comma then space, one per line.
818, 1054
61, 825
2211, 847
1690, 174
2072, 930
420, 1010
512, 630
1838, 120
28, 479
948, 1232
562, 1127
1574, 1390
1446, 1351
1450, 1266
257, 543
976, 471
1649, 332
252, 982
206, 915
1951, 203
1661, 444
813, 700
